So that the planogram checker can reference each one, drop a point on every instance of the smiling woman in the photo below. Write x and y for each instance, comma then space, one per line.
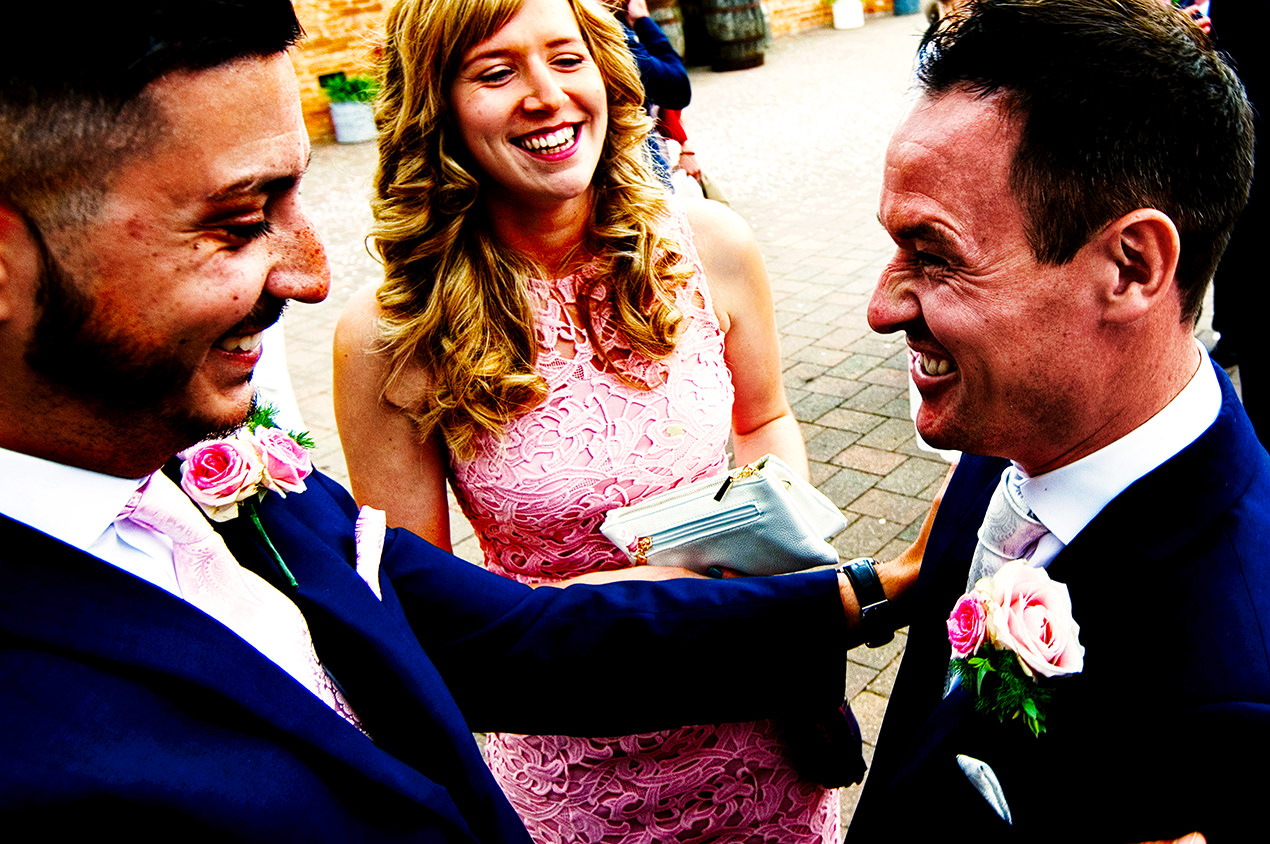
559, 336
531, 111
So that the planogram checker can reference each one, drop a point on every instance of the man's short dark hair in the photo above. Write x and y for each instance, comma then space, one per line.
1122, 104
72, 79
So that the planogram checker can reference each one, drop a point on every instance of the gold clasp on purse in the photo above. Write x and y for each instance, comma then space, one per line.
641, 549
744, 472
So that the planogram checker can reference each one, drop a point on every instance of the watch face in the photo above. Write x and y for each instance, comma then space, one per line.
876, 616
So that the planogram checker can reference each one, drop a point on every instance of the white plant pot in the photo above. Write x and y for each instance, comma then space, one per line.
355, 122
848, 14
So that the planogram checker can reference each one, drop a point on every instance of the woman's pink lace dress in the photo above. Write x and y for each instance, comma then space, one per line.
536, 499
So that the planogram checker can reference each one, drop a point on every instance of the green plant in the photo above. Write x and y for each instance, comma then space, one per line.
350, 89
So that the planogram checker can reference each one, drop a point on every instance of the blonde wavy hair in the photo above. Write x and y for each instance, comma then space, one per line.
455, 302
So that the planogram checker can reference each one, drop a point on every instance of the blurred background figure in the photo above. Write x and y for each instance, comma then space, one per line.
1240, 295
661, 69
686, 173
1198, 12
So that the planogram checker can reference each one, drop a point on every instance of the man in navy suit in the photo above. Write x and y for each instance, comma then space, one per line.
1059, 198
150, 229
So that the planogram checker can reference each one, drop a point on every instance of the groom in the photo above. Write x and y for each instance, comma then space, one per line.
1059, 198
296, 681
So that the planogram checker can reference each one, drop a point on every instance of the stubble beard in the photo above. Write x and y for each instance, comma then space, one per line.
126, 385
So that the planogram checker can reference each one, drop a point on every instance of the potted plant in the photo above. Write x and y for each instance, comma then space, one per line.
351, 110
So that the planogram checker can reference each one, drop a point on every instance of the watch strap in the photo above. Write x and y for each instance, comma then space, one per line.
876, 613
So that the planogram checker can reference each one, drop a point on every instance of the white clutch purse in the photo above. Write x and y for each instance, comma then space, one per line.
759, 519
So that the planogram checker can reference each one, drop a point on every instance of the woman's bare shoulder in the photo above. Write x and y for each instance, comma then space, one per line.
730, 257
716, 226
362, 355
358, 323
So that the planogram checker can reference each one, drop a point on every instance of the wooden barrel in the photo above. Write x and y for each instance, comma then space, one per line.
669, 17
736, 28
698, 47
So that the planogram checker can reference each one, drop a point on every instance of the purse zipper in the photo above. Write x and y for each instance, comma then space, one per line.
744, 472
678, 535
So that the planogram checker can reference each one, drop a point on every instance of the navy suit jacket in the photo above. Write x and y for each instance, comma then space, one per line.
122, 707
1167, 728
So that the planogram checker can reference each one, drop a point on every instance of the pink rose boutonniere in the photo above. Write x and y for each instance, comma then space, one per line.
1009, 635
286, 461
218, 474
224, 476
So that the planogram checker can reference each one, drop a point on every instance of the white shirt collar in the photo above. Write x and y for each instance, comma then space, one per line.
1068, 498
79, 507
68, 503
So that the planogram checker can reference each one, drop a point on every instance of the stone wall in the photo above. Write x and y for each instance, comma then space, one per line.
341, 35
797, 15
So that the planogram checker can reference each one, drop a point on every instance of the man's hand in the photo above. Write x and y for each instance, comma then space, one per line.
1193, 838
636, 9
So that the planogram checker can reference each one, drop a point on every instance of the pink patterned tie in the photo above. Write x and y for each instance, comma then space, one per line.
211, 579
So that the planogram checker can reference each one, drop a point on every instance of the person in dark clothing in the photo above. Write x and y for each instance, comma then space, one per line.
1056, 223
1239, 288
662, 71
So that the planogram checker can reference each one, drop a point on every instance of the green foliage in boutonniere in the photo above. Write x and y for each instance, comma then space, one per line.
1002, 688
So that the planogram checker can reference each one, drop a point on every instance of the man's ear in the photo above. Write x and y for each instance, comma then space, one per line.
19, 260
12, 227
1144, 246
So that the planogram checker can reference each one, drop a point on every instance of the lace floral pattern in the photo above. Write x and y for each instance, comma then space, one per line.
537, 498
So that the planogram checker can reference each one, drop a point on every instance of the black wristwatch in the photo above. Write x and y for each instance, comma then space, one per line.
876, 613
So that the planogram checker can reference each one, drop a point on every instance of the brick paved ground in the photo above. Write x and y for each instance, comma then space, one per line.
796, 146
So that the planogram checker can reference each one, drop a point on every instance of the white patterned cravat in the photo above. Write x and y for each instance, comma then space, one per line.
1009, 531
211, 579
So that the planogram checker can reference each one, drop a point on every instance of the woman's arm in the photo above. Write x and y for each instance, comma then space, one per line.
389, 468
762, 421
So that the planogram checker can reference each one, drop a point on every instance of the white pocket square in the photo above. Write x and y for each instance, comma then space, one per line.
368, 537
985, 781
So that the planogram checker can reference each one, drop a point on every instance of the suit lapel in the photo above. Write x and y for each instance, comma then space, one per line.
943, 582
368, 646
1175, 503
367, 643
914, 721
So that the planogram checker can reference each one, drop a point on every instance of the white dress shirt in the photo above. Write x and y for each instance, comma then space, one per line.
79, 507
1068, 498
